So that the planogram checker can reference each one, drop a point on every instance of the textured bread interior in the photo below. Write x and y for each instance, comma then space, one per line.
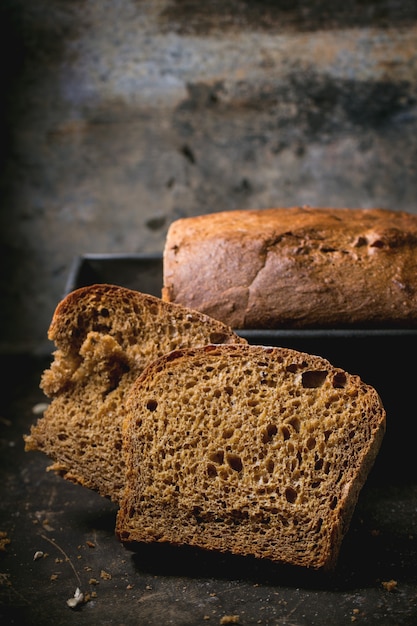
105, 336
248, 449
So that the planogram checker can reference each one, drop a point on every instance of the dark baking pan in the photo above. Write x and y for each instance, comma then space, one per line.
379, 356
135, 271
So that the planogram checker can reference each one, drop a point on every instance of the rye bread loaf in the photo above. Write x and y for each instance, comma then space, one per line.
105, 335
296, 267
250, 450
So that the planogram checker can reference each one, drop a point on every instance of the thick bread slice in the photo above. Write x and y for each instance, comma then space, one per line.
248, 449
298, 267
105, 336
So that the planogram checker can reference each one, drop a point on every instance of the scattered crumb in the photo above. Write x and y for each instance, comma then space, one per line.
230, 619
4, 541
47, 526
54, 577
38, 555
5, 580
39, 408
90, 544
93, 581
129, 587
105, 575
76, 600
389, 585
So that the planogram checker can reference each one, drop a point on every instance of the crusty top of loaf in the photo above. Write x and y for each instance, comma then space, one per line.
296, 267
340, 225
105, 336
248, 449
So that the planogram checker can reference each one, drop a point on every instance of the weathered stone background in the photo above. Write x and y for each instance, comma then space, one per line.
118, 117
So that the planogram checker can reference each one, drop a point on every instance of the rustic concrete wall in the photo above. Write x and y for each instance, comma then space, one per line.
120, 116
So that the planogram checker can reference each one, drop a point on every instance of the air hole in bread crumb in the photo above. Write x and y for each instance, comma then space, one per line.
270, 466
285, 432
290, 495
293, 367
211, 470
217, 457
104, 312
227, 433
152, 405
311, 443
333, 503
235, 462
318, 464
295, 423
270, 432
312, 379
339, 380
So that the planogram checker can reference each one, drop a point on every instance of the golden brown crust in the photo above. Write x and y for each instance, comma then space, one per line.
296, 267
248, 449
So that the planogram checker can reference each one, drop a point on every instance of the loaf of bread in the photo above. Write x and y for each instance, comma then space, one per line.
296, 267
105, 336
250, 450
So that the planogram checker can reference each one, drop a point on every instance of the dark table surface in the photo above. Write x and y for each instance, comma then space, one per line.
56, 536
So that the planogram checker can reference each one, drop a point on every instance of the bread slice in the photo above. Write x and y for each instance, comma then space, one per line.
250, 450
105, 336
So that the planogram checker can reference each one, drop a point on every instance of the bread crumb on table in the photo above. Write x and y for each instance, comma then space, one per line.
4, 541
230, 619
389, 585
